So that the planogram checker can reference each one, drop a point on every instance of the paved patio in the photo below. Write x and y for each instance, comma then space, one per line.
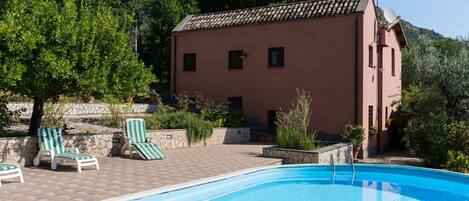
120, 176
395, 157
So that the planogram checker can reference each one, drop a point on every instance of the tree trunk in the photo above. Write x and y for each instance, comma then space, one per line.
36, 117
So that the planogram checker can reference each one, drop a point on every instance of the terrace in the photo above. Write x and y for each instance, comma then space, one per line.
120, 176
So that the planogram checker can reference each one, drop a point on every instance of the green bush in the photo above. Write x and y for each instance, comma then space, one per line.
458, 161
6, 116
197, 129
54, 112
293, 126
235, 119
217, 114
220, 115
432, 137
354, 134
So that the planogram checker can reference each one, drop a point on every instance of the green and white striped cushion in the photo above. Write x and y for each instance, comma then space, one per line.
50, 139
74, 156
136, 130
4, 167
150, 151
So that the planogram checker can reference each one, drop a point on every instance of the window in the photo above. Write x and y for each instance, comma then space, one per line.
190, 61
235, 59
272, 120
235, 103
386, 116
276, 57
370, 56
393, 61
370, 116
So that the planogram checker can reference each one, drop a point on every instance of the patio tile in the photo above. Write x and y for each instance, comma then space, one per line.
120, 176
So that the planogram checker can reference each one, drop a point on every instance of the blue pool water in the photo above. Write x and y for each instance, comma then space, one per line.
308, 183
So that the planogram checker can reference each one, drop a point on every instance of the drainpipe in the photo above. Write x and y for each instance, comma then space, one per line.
380, 92
356, 69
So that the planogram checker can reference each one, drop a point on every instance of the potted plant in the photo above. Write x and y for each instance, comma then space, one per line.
372, 131
88, 98
354, 134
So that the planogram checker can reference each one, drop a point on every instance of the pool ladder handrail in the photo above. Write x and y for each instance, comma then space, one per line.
333, 169
353, 168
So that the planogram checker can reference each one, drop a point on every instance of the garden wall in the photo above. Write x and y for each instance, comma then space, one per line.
339, 153
22, 150
77, 109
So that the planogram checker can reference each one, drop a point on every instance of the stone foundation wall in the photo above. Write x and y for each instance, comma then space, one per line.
339, 153
22, 150
177, 139
77, 109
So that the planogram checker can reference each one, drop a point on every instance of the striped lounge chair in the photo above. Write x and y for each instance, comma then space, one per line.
136, 139
8, 171
52, 149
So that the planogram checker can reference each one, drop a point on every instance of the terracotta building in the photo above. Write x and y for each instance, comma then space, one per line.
256, 58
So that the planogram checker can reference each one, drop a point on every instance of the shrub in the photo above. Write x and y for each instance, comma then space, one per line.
458, 161
6, 116
115, 115
217, 114
235, 119
432, 137
54, 112
293, 126
197, 129
354, 134
220, 115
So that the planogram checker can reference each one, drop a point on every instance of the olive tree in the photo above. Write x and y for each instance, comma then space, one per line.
67, 47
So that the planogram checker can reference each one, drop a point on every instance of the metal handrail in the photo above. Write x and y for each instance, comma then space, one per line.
353, 168
333, 169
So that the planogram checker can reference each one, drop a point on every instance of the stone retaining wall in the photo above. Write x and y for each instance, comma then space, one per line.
77, 109
339, 153
22, 150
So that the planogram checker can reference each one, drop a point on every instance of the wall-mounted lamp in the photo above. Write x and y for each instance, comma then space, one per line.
244, 55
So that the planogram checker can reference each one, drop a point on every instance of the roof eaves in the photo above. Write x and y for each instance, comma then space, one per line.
182, 23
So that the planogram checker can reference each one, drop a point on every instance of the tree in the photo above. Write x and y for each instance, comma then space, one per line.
50, 48
155, 34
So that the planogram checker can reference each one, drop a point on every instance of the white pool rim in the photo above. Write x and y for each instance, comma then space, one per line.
198, 182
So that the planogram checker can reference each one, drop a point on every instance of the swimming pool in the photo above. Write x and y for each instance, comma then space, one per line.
318, 182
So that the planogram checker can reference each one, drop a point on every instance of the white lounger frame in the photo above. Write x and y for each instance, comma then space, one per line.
127, 142
48, 155
7, 174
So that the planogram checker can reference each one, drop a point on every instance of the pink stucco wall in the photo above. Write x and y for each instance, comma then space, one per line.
369, 80
320, 58
391, 84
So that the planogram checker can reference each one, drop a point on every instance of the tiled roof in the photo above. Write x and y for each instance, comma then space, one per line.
268, 14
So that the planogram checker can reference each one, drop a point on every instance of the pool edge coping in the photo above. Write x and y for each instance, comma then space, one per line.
189, 184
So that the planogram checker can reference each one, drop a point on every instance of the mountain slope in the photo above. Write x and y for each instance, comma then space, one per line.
412, 31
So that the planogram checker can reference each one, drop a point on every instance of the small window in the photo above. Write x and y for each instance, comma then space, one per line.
393, 62
235, 103
370, 56
272, 120
235, 59
370, 116
190, 61
276, 57
386, 116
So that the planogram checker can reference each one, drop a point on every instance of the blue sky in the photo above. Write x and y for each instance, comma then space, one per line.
447, 17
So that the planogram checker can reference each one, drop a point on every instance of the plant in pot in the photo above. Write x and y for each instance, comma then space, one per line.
88, 98
372, 131
354, 134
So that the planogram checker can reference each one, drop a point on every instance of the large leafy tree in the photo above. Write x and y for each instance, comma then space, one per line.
67, 47
157, 22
